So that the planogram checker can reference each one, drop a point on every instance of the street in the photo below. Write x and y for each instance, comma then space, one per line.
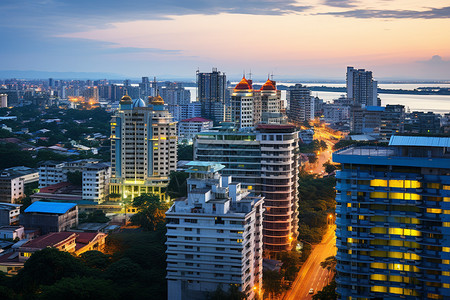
311, 275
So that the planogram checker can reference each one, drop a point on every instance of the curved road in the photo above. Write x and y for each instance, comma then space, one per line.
311, 275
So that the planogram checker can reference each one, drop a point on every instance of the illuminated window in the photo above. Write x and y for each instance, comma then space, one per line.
446, 249
396, 278
445, 273
349, 228
378, 265
396, 243
377, 288
378, 277
396, 183
350, 251
239, 240
434, 210
350, 240
377, 253
414, 184
395, 290
378, 195
361, 217
395, 255
378, 182
378, 230
446, 187
447, 212
446, 224
446, 285
349, 205
446, 199
445, 261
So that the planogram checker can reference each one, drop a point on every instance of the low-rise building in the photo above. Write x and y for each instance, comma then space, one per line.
95, 176
9, 213
13, 181
12, 232
50, 216
63, 241
214, 237
188, 128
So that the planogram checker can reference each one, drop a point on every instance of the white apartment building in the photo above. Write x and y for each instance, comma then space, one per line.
188, 128
51, 172
264, 160
214, 237
96, 181
12, 183
95, 176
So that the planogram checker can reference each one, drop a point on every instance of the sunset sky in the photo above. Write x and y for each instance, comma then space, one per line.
400, 39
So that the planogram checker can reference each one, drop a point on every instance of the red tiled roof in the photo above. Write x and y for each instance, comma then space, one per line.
196, 119
49, 240
244, 84
54, 187
85, 238
268, 86
269, 126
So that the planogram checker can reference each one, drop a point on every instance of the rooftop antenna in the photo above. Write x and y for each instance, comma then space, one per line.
243, 73
250, 74
155, 86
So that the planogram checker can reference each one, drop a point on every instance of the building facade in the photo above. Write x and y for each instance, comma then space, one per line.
214, 237
264, 160
361, 87
211, 93
13, 181
393, 220
95, 181
143, 148
9, 214
3, 100
301, 103
188, 128
50, 216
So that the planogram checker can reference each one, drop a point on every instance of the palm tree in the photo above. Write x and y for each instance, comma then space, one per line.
330, 264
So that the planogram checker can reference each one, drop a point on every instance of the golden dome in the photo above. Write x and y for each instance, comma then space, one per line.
126, 99
158, 100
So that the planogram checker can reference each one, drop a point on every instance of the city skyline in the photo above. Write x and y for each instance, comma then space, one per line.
299, 39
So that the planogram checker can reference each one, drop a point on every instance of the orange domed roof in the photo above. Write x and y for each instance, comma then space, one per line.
243, 85
158, 100
268, 86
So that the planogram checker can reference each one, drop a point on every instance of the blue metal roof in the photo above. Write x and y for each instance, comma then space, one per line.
49, 207
375, 108
420, 141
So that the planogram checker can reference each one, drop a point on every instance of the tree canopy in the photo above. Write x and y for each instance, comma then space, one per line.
151, 211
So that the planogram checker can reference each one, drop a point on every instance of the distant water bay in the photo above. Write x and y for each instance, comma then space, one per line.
435, 103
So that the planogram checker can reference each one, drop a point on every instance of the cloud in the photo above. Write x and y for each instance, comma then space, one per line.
432, 13
71, 15
126, 50
436, 60
340, 3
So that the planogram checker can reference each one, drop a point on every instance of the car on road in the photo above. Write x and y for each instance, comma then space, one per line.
311, 291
